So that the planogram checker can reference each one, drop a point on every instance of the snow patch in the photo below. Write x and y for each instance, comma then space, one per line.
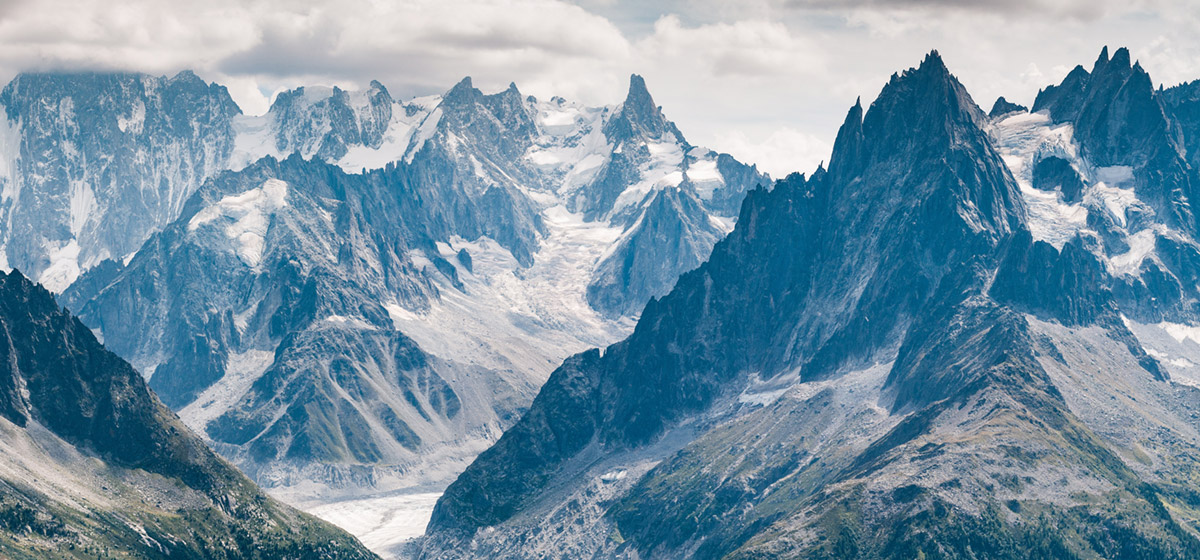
424, 132
399, 314
133, 123
1141, 246
705, 176
1175, 345
761, 398
250, 213
395, 145
63, 269
349, 321
613, 476
1181, 332
83, 206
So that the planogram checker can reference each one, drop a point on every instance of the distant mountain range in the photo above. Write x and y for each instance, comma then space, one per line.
971, 336
351, 290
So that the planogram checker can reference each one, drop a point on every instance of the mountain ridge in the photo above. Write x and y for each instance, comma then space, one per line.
918, 364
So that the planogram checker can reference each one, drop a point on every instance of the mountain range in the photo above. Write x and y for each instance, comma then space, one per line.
970, 336
351, 290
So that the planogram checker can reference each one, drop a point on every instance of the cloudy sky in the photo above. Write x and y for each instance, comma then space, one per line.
766, 80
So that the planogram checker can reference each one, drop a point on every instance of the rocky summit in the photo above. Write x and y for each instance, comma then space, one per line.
967, 337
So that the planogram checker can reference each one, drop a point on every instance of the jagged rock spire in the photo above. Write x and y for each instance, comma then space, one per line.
638, 115
1119, 119
848, 144
462, 92
1102, 60
1003, 107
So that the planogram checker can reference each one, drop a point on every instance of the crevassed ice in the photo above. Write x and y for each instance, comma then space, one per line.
1025, 138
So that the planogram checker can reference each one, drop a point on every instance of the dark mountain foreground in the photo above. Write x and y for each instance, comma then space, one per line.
92, 465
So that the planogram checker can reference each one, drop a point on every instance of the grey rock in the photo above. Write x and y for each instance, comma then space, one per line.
102, 161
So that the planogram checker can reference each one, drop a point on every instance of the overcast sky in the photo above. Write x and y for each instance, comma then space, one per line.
766, 80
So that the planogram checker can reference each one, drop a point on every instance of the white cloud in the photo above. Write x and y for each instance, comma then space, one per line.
780, 152
729, 50
415, 46
154, 36
760, 78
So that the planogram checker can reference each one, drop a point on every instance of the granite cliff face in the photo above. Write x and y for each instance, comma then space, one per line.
326, 122
1183, 101
916, 352
93, 462
95, 163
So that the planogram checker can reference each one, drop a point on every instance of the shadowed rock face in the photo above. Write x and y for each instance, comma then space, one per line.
1056, 174
61, 380
1003, 107
675, 228
1183, 101
868, 366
